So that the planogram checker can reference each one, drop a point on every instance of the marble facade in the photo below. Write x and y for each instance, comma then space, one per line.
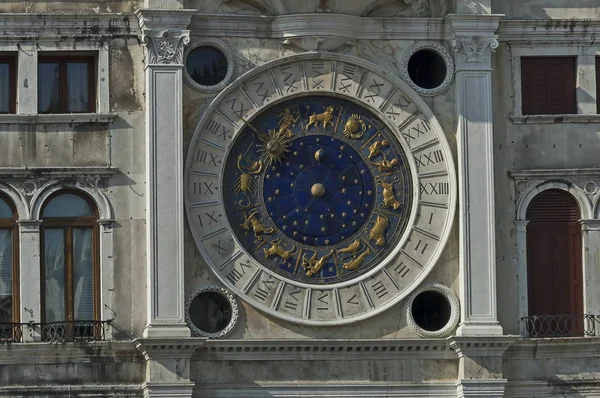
130, 157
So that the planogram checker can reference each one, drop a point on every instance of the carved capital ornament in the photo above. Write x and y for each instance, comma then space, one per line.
165, 47
474, 52
319, 189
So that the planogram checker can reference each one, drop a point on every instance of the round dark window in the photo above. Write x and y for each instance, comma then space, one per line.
431, 310
206, 65
210, 312
427, 69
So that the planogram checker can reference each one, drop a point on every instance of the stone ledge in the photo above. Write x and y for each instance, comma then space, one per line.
59, 118
553, 31
20, 173
554, 119
546, 174
335, 350
555, 348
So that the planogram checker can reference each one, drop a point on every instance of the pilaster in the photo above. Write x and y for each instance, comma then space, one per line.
29, 258
480, 365
473, 39
165, 35
590, 231
522, 271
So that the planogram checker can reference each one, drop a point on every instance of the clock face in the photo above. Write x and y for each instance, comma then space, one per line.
320, 202
319, 190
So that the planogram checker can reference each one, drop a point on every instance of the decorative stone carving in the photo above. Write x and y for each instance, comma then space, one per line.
226, 50
474, 52
29, 187
330, 44
443, 52
454, 308
223, 292
167, 47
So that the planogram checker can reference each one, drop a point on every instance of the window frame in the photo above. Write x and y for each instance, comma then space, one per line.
11, 60
62, 60
11, 223
67, 224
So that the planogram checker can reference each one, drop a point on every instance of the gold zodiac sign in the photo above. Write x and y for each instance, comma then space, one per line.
312, 265
377, 233
252, 223
357, 261
286, 123
276, 250
353, 126
389, 199
384, 164
353, 247
325, 118
376, 147
245, 184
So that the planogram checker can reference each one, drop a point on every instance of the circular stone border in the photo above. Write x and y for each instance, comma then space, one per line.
223, 292
454, 310
229, 56
439, 49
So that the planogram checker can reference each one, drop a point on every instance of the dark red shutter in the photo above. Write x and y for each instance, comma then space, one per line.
548, 85
554, 274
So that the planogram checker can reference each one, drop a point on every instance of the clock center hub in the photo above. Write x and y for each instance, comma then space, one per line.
317, 190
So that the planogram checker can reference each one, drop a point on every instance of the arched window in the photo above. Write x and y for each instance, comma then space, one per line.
9, 294
554, 273
70, 269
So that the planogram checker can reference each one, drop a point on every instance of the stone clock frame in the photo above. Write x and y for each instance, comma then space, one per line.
406, 115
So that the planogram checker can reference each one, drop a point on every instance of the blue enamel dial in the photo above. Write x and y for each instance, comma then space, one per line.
347, 196
317, 189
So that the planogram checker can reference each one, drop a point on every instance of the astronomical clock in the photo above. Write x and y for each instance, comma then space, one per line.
319, 189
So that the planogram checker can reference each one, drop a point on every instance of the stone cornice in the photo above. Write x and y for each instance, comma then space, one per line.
484, 346
331, 350
317, 25
47, 353
50, 26
549, 31
555, 174
58, 118
19, 173
554, 348
153, 348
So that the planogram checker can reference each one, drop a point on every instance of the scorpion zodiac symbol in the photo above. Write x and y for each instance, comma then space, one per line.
245, 184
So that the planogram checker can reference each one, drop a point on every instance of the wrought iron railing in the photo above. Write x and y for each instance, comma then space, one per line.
56, 332
11, 332
566, 325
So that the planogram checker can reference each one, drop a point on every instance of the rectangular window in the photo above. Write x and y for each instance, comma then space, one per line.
66, 84
8, 84
548, 85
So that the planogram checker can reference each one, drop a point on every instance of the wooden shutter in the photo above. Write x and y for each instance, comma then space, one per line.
548, 85
554, 273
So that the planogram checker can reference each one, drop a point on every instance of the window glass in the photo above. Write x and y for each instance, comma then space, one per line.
4, 88
6, 281
83, 282
48, 88
206, 65
5, 210
54, 273
68, 205
77, 87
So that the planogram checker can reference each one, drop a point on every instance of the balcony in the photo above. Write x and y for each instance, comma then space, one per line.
566, 325
55, 332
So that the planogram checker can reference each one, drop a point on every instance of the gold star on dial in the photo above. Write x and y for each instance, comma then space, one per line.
326, 241
342, 147
295, 223
343, 190
323, 229
277, 192
344, 214
369, 192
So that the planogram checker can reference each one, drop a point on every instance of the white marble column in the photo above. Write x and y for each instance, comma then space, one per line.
29, 258
473, 39
165, 34
591, 265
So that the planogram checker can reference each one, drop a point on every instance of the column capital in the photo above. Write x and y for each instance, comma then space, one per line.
590, 225
32, 226
165, 34
473, 39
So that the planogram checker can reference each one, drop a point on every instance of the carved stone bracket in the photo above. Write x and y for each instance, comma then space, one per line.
474, 52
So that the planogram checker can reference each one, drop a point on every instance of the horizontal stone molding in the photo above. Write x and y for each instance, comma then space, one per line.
19, 173
540, 31
554, 348
50, 26
336, 350
348, 389
554, 119
67, 118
